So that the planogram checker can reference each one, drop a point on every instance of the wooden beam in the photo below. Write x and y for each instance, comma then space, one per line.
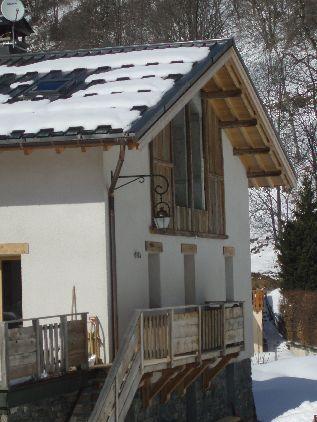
159, 385
188, 249
237, 123
153, 247
14, 248
263, 173
222, 94
251, 151
210, 374
175, 382
193, 375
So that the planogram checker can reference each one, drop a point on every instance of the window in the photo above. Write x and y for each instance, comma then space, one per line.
188, 152
48, 87
195, 125
188, 156
180, 159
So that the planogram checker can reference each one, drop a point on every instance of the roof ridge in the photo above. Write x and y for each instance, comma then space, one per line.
190, 43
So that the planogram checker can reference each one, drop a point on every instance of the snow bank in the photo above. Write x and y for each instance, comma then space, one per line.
274, 298
303, 413
282, 387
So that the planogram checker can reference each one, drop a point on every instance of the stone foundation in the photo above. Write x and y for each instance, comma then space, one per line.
230, 395
55, 409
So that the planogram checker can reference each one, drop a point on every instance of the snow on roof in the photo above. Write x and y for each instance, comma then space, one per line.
112, 89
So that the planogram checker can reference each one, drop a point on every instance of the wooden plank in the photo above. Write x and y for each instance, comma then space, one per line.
51, 347
251, 151
20, 359
84, 364
183, 331
64, 338
185, 345
237, 123
221, 94
56, 348
21, 371
188, 249
21, 333
46, 351
153, 247
130, 386
229, 251
14, 248
3, 357
36, 326
263, 173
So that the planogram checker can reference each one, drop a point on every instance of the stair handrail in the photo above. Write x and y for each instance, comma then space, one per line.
110, 381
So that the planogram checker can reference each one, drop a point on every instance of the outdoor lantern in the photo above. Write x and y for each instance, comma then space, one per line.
162, 218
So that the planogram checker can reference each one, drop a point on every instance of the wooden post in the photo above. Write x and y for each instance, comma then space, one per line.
64, 337
4, 384
171, 317
142, 341
223, 312
116, 399
36, 326
84, 365
199, 334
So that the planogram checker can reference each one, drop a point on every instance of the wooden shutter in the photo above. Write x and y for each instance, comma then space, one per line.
161, 158
214, 171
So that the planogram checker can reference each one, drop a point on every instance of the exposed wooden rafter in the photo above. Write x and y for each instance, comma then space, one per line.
237, 123
251, 151
222, 94
263, 173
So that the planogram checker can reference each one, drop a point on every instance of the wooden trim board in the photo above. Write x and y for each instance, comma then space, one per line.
153, 247
188, 249
229, 251
14, 249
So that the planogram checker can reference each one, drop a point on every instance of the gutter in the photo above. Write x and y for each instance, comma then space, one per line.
113, 253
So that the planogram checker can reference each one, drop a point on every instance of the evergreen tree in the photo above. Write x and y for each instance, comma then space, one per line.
298, 243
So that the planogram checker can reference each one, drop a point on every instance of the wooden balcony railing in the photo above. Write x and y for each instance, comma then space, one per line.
167, 338
32, 349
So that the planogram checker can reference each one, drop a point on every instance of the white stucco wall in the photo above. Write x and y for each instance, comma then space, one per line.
56, 203
133, 218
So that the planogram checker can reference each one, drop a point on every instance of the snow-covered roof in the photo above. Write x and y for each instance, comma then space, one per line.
113, 91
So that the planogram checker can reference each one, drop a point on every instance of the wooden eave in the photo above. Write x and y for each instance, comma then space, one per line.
246, 124
228, 89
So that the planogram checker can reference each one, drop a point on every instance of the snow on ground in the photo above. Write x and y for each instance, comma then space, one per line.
265, 261
302, 413
284, 385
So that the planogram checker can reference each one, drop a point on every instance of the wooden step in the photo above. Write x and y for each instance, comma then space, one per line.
230, 419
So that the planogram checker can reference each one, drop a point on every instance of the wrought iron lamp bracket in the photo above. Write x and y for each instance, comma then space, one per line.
160, 189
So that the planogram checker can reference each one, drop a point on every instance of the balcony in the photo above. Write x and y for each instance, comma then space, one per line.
45, 356
180, 344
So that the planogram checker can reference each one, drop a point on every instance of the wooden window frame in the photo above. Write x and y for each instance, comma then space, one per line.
209, 222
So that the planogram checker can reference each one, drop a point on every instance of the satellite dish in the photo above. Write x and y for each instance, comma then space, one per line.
12, 10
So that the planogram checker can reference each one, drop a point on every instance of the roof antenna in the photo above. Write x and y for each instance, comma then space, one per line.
12, 11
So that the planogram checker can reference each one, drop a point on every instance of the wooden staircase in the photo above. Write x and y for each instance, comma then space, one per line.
180, 344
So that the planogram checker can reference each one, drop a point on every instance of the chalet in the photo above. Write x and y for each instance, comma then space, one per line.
164, 264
